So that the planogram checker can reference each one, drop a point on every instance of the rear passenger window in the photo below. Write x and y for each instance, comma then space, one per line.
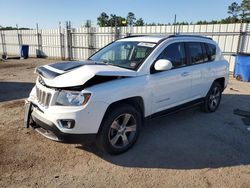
211, 50
195, 52
175, 53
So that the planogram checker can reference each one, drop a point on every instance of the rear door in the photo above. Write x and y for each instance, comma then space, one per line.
200, 69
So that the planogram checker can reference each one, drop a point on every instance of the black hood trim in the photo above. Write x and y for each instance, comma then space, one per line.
65, 66
46, 73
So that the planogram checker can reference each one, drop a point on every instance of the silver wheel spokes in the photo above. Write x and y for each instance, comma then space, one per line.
214, 98
122, 130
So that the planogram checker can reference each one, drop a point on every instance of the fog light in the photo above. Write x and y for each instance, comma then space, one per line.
67, 123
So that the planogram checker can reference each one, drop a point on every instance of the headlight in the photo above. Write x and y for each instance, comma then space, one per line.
72, 98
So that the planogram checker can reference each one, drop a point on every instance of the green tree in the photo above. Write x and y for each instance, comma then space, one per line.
139, 22
201, 22
245, 10
151, 24
131, 18
122, 21
113, 21
13, 28
234, 10
87, 23
103, 20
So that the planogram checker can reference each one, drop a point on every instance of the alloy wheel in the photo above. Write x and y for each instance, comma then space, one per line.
214, 98
122, 130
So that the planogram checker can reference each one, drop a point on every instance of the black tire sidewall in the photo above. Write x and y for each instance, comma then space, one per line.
111, 115
206, 103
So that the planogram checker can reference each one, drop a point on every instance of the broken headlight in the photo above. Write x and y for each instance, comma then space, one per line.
72, 98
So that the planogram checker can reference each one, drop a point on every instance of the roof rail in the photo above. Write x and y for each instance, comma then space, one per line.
184, 35
170, 36
131, 36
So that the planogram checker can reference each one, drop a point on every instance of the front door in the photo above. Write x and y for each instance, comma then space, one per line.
172, 87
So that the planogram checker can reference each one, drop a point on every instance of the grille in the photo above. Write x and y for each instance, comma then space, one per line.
43, 97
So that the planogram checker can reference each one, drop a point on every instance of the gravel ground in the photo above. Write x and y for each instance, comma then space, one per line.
186, 149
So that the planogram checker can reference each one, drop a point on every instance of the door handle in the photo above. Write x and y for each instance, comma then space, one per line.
185, 74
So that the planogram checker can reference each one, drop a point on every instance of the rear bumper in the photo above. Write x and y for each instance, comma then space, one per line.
49, 130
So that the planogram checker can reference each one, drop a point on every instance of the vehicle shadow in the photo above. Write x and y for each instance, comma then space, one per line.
190, 139
14, 90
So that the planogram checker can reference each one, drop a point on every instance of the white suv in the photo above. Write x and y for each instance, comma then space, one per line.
109, 95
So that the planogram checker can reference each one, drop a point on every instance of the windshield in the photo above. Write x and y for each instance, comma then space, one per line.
125, 54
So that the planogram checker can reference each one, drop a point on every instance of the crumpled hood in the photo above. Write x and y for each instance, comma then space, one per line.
77, 73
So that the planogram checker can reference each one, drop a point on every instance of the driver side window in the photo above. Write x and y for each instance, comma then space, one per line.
175, 53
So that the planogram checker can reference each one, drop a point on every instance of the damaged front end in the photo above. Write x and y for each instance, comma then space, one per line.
66, 84
80, 75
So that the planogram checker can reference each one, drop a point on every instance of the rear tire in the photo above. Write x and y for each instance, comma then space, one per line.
213, 98
120, 129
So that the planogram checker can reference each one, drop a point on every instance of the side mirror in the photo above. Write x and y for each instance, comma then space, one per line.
163, 65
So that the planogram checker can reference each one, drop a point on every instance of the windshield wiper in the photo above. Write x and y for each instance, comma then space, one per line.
108, 63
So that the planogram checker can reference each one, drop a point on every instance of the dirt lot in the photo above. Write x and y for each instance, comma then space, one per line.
187, 149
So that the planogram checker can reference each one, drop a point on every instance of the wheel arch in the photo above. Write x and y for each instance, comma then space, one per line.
221, 81
136, 102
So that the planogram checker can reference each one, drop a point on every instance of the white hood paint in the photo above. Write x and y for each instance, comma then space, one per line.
81, 75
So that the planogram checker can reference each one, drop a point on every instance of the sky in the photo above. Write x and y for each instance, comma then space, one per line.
48, 13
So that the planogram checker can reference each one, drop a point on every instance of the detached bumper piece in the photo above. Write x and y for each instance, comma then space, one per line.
49, 129
27, 114
45, 128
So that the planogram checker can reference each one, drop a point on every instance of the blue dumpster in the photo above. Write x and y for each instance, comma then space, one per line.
24, 51
242, 67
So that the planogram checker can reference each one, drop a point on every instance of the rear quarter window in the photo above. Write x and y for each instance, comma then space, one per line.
211, 51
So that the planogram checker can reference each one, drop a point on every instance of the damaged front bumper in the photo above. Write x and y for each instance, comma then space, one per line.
48, 129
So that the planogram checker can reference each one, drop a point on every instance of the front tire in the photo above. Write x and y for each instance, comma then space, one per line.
120, 129
213, 98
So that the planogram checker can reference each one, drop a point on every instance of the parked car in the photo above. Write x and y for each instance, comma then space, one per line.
110, 95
